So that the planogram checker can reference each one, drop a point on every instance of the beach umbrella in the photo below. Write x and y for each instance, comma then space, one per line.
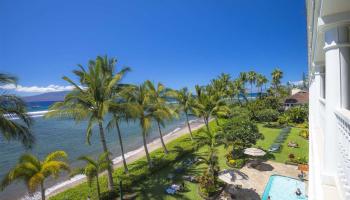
254, 152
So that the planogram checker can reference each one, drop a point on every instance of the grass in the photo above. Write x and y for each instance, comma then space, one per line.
270, 135
148, 184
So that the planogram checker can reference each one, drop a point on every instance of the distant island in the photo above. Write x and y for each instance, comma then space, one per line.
49, 96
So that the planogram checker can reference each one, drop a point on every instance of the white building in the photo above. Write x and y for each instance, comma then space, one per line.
328, 24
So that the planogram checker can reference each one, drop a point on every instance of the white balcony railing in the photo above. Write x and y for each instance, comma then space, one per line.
343, 137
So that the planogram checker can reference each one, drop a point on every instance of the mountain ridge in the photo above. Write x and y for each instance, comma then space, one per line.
49, 96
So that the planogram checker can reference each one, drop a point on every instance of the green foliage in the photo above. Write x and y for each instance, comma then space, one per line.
304, 133
267, 115
297, 114
34, 171
11, 106
242, 130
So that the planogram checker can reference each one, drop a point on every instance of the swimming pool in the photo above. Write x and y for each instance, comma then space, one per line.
284, 188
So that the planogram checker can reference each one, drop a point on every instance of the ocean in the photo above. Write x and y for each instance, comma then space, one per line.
69, 136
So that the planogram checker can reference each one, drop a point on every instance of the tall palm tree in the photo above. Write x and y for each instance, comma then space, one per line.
240, 89
121, 110
251, 77
11, 107
140, 98
208, 105
92, 100
92, 169
185, 101
260, 81
277, 75
34, 172
161, 111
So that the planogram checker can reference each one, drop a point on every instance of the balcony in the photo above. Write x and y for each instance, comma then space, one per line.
343, 138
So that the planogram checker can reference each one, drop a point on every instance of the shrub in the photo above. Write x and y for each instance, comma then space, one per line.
291, 156
239, 131
239, 163
266, 115
297, 114
232, 162
304, 133
301, 160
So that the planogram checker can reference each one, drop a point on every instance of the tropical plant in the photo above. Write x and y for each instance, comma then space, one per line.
186, 103
251, 77
266, 115
261, 80
209, 104
12, 107
161, 111
121, 110
34, 172
92, 169
208, 182
240, 90
277, 75
239, 131
297, 114
92, 100
140, 97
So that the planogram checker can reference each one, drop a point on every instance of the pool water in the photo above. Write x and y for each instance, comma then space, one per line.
284, 188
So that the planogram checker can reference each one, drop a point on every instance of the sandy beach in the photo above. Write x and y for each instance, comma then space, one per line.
130, 156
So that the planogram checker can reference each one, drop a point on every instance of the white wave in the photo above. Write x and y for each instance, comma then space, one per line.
33, 114
174, 131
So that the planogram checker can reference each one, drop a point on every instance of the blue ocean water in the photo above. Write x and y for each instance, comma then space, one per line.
69, 136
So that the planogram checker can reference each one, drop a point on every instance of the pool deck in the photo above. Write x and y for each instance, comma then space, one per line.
253, 181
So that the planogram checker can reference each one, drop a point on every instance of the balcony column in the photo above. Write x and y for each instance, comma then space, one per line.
337, 94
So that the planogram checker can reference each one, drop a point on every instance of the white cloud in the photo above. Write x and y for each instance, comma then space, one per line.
36, 89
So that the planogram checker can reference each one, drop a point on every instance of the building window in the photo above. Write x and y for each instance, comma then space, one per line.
323, 86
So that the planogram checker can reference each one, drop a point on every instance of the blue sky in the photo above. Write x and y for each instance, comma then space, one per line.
177, 42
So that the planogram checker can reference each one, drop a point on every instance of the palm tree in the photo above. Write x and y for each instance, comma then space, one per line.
140, 98
161, 110
34, 172
251, 77
92, 169
185, 101
11, 107
121, 110
92, 100
240, 89
277, 75
209, 104
260, 81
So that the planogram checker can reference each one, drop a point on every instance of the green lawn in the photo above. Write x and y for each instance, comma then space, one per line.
153, 185
270, 134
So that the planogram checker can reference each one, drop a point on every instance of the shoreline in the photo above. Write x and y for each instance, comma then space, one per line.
130, 157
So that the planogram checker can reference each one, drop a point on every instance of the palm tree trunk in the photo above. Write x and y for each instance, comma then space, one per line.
98, 187
161, 138
189, 126
206, 122
145, 144
146, 149
105, 150
42, 190
122, 148
251, 91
